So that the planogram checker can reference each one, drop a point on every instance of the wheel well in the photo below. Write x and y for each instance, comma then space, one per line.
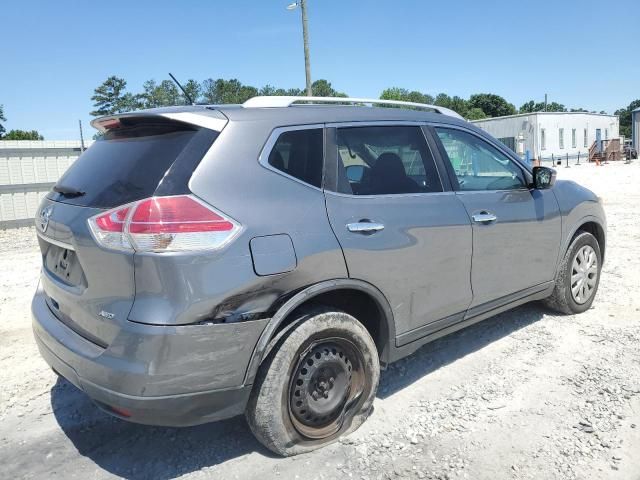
597, 231
356, 303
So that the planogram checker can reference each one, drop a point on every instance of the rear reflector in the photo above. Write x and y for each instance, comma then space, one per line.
163, 224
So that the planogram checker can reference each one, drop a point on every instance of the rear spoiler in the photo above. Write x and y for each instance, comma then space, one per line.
211, 119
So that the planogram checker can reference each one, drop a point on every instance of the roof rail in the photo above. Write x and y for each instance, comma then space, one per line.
286, 101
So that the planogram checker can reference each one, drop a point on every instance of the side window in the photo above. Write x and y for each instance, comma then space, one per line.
477, 164
385, 160
299, 153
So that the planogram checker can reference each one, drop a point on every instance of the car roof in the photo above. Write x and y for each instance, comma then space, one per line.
301, 114
309, 114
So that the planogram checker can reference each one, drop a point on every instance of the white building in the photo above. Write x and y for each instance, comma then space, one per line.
543, 134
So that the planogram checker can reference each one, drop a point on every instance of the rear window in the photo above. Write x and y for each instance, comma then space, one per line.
299, 153
129, 163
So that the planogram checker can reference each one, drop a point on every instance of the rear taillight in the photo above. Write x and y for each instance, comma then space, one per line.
163, 224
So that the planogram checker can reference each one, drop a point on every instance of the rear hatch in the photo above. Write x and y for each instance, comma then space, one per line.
89, 288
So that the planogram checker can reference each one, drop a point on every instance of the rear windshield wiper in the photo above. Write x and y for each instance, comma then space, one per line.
68, 191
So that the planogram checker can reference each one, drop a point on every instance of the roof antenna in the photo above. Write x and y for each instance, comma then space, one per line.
188, 97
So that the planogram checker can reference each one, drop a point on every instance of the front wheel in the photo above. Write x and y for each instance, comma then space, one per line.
578, 276
319, 383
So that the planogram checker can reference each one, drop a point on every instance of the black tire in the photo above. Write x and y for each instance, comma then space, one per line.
562, 299
344, 345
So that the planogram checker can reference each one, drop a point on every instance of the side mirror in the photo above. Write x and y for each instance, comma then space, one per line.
355, 173
543, 177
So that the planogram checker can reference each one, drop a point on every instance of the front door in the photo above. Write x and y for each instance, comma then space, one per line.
516, 230
399, 229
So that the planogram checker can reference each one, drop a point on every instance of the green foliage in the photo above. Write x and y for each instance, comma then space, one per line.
475, 114
323, 88
222, 91
491, 104
2, 119
404, 95
22, 135
556, 107
531, 107
110, 98
455, 103
625, 117
192, 87
16, 134
160, 95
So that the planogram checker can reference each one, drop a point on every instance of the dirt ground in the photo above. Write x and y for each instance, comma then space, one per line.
527, 394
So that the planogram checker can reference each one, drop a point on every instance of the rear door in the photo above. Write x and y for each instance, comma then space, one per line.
401, 229
89, 288
516, 230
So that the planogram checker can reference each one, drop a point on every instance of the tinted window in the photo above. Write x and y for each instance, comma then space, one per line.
477, 164
129, 163
299, 153
385, 160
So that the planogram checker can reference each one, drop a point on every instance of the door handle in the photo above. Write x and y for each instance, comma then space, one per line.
484, 217
365, 227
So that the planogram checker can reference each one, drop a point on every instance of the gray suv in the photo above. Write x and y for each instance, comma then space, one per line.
269, 258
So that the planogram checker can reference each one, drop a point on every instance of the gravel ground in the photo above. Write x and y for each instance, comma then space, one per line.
527, 394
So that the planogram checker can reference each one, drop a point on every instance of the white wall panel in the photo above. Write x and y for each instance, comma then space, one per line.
26, 165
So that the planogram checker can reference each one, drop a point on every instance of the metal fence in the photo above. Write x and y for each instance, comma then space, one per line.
565, 159
28, 170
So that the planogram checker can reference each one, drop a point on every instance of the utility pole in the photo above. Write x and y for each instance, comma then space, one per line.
545, 102
81, 136
305, 38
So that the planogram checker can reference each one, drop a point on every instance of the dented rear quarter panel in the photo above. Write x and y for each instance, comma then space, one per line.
183, 289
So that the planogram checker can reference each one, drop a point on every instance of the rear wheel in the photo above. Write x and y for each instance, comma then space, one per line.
319, 383
578, 276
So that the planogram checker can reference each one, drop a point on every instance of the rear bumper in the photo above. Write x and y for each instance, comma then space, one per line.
148, 374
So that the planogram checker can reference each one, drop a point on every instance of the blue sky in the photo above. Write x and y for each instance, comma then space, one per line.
56, 52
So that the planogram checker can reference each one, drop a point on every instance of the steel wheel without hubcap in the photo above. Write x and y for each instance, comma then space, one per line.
584, 274
326, 382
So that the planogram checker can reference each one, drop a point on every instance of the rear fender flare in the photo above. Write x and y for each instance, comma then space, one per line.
264, 343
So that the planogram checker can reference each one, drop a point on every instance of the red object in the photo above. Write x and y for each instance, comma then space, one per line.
175, 215
113, 221
163, 224
120, 411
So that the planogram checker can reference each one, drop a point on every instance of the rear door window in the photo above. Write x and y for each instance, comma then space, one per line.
384, 160
129, 163
300, 153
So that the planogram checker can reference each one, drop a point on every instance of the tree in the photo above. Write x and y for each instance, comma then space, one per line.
528, 107
323, 88
192, 87
492, 105
110, 98
625, 117
455, 103
270, 90
23, 135
2, 119
165, 94
222, 91
404, 95
531, 107
556, 107
475, 114
267, 91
